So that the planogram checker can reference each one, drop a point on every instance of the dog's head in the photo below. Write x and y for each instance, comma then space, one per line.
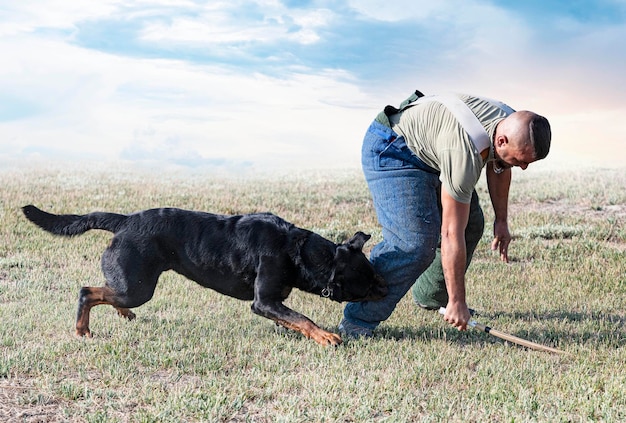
354, 277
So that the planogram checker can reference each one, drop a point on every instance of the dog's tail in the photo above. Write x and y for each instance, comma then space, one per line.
73, 224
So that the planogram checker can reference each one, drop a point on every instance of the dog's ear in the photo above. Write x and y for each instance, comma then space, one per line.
358, 240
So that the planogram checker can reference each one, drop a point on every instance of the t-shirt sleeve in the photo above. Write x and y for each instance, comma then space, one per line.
458, 175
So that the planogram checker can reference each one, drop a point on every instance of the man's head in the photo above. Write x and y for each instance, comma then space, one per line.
522, 138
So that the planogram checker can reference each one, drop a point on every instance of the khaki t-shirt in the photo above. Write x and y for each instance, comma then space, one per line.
433, 133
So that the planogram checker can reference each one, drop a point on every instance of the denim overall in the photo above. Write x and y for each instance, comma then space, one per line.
406, 196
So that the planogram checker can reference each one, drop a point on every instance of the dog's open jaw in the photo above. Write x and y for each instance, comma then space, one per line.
258, 257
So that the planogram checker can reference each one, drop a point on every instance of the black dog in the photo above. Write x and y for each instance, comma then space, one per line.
258, 257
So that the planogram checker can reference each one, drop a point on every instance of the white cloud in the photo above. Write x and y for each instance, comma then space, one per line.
110, 106
70, 98
229, 23
393, 11
30, 15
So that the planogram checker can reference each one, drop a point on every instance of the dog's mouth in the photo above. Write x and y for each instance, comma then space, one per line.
364, 287
379, 291
373, 294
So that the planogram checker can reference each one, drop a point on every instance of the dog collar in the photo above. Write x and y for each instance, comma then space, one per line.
327, 292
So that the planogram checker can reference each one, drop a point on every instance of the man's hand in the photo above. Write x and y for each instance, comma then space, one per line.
453, 258
498, 185
501, 240
457, 314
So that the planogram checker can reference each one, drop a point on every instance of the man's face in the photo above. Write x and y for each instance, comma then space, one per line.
508, 155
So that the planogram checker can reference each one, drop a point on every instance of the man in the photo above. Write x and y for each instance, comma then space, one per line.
421, 166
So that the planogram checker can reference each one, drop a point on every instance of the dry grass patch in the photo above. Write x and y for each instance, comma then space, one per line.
194, 355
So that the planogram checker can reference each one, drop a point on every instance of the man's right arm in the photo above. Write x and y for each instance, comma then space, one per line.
453, 258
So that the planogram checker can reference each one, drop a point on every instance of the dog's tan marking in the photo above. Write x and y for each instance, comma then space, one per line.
312, 331
93, 296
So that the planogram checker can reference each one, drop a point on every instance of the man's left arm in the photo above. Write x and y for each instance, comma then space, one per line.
498, 185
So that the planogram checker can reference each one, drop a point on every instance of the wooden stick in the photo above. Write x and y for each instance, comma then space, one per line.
510, 338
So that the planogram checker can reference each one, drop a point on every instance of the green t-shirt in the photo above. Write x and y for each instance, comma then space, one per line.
433, 133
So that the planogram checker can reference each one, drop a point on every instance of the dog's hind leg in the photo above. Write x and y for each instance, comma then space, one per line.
90, 297
131, 269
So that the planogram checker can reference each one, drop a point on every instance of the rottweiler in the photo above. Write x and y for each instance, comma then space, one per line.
255, 257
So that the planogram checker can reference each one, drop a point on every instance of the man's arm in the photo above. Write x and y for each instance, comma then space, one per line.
453, 258
498, 185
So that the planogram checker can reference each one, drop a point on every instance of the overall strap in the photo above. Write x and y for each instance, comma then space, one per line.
465, 116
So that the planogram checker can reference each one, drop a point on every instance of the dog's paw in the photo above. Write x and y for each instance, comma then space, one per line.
327, 338
83, 333
126, 313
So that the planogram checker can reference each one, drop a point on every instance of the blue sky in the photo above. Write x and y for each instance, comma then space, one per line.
273, 83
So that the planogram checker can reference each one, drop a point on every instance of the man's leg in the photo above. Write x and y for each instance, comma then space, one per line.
405, 199
429, 291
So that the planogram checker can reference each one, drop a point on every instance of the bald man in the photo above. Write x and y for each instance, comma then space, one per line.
422, 164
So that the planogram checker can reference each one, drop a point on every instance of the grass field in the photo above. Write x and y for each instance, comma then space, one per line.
193, 355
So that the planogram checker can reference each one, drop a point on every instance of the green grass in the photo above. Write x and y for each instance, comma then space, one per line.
194, 355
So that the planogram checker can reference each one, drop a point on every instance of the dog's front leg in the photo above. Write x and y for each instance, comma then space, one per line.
271, 287
288, 318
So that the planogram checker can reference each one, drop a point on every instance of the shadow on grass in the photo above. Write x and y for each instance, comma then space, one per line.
594, 328
575, 329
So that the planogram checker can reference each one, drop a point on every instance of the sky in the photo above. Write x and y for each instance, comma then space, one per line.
275, 84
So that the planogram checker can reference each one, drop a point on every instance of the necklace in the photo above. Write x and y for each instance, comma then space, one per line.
496, 166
